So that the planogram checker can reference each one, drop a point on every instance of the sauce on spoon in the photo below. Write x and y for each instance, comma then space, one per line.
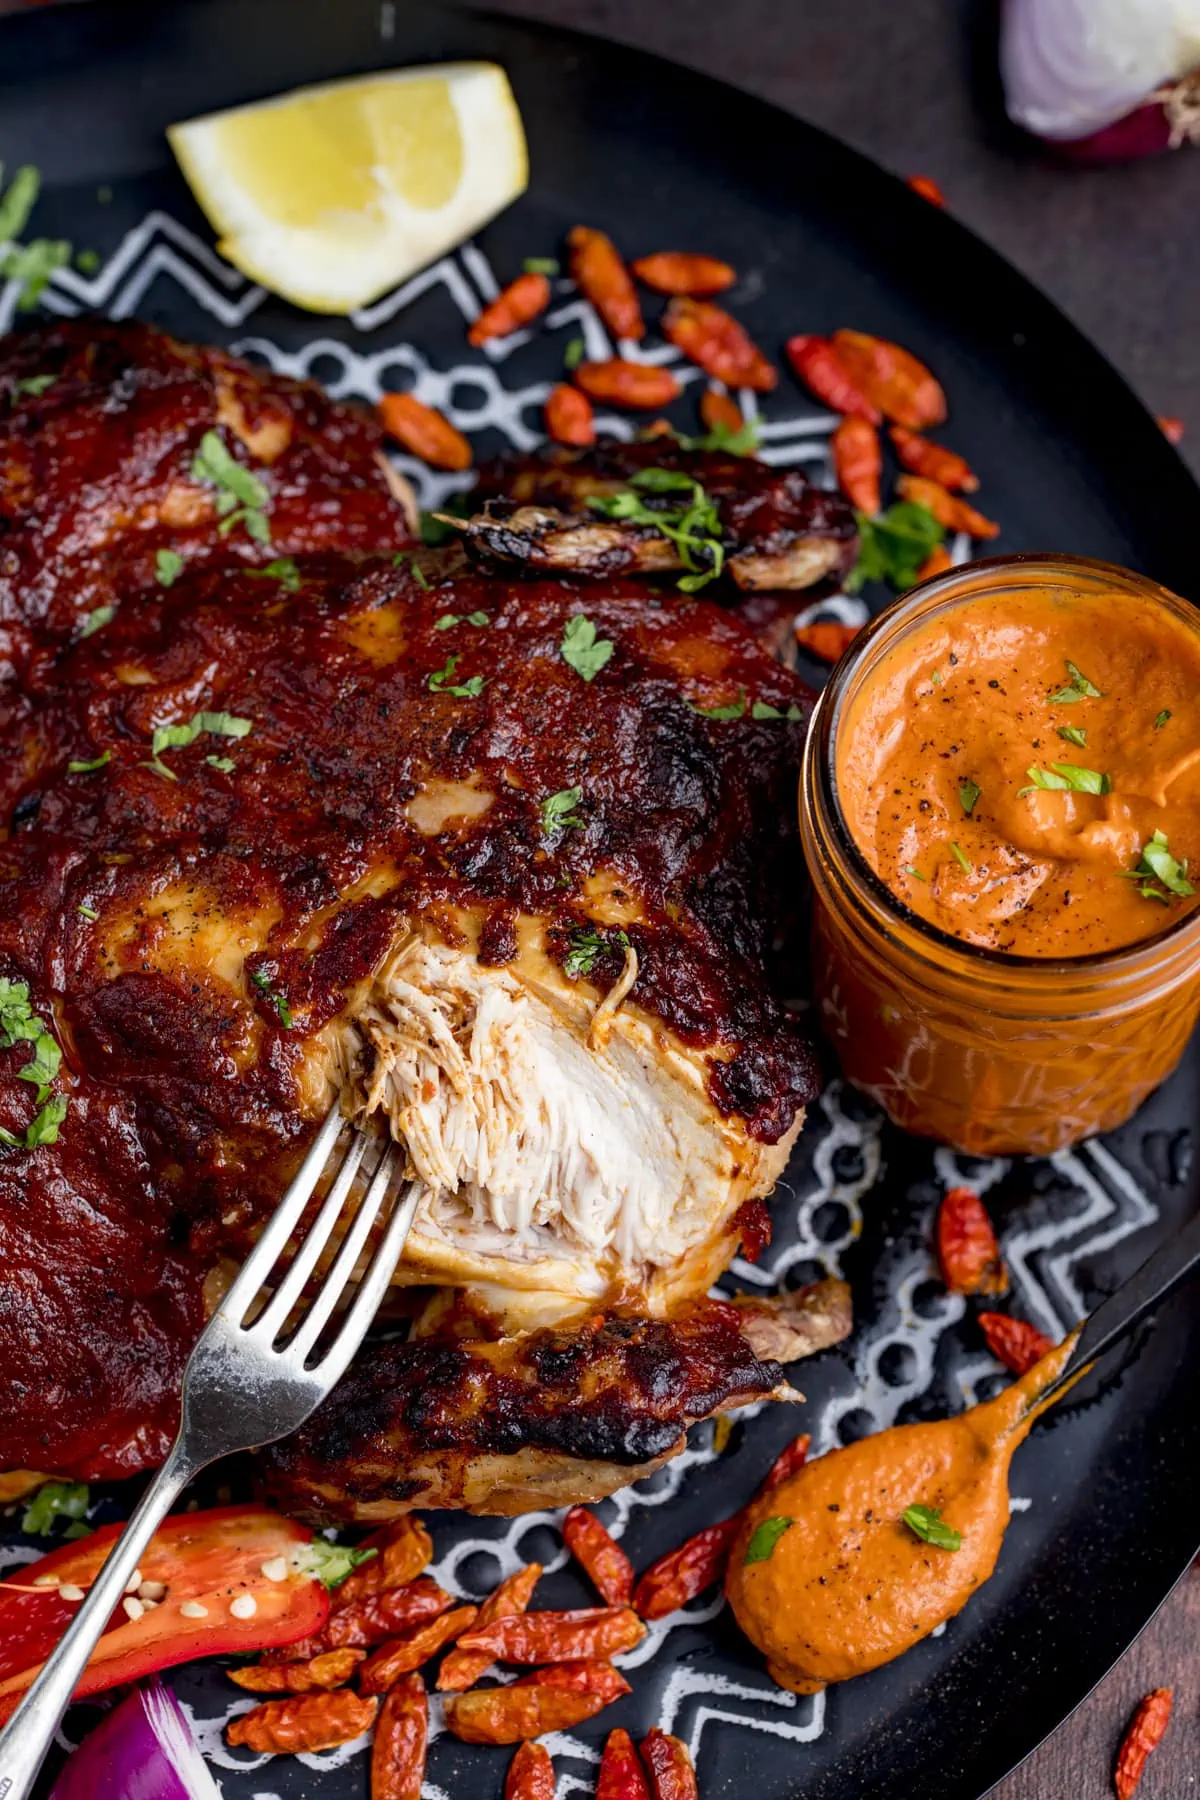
828, 1579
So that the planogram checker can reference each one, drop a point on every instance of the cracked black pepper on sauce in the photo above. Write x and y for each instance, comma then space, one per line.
1024, 772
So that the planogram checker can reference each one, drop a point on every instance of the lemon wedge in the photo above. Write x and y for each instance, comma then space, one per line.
331, 195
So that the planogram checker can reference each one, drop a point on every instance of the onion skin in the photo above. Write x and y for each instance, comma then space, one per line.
1101, 81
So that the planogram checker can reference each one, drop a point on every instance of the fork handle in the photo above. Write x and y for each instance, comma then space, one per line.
26, 1738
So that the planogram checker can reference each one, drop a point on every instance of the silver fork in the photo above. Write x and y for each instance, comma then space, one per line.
241, 1388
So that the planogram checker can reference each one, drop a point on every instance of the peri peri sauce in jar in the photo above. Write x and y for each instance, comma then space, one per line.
1000, 808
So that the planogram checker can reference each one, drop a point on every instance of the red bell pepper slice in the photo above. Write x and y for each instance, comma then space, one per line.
209, 1559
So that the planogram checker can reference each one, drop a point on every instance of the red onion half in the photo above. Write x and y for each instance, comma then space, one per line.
1104, 80
143, 1750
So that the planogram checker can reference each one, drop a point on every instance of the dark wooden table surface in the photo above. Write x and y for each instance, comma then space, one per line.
912, 83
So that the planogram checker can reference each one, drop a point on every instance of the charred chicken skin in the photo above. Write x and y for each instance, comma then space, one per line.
592, 513
504, 864
102, 435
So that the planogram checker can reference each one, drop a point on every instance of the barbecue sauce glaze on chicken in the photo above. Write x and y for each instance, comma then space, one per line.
351, 866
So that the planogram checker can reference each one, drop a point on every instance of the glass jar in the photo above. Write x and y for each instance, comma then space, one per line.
993, 1053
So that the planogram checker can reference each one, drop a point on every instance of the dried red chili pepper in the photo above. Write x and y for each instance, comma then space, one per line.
601, 1557
318, 1674
792, 1457
827, 638
817, 365
720, 412
621, 1774
401, 1742
1171, 427
713, 338
588, 1676
1150, 1721
365, 1623
546, 1637
1014, 1342
601, 277
946, 508
858, 463
672, 1776
892, 378
569, 417
684, 272
530, 1774
936, 563
752, 1224
462, 1668
966, 1245
400, 1656
529, 1708
306, 1722
622, 383
679, 1576
424, 431
922, 456
402, 1549
928, 189
521, 301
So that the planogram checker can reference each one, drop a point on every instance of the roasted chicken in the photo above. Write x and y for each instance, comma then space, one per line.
507, 865
601, 512
102, 429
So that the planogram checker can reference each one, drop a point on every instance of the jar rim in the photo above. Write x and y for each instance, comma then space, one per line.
820, 763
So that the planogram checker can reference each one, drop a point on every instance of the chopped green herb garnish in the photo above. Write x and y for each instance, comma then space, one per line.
34, 384
540, 265
762, 710
960, 856
893, 546
763, 1540
692, 524
586, 946
330, 1563
53, 1501
442, 682
1068, 778
168, 567
733, 709
87, 261
583, 649
43, 1066
1158, 870
558, 810
936, 678
449, 619
915, 873
1080, 689
282, 570
1074, 734
574, 353
87, 912
29, 265
418, 574
927, 1524
43, 1129
742, 441
220, 724
1161, 720
225, 764
968, 794
18, 202
242, 499
89, 768
97, 619
20, 1024
262, 982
